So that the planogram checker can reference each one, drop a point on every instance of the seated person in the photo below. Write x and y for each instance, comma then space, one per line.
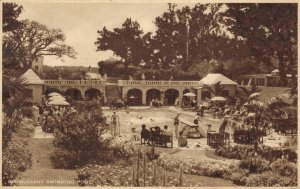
145, 133
166, 131
155, 133
182, 142
134, 135
209, 128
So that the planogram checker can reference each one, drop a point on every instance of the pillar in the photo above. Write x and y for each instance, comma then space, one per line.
162, 95
144, 97
199, 95
124, 92
82, 92
180, 95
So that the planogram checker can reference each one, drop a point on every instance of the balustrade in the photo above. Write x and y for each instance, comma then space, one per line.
156, 83
74, 82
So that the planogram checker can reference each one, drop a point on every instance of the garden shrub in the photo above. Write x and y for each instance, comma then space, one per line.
284, 168
79, 135
211, 168
15, 156
27, 111
267, 178
243, 151
254, 165
237, 176
123, 148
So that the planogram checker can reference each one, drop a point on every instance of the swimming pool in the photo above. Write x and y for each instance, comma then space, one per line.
134, 118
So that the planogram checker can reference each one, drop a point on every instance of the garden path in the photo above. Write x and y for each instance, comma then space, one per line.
42, 173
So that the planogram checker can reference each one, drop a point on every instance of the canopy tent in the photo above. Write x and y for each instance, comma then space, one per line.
213, 78
59, 102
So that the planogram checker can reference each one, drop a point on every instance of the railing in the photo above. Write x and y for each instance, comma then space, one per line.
156, 83
74, 82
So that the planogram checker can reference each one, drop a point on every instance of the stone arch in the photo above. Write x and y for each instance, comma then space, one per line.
51, 90
185, 99
152, 94
134, 96
74, 94
92, 93
170, 96
186, 90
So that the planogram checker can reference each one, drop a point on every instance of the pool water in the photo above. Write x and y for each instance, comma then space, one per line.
134, 118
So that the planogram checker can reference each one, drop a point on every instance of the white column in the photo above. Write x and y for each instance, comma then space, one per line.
180, 95
144, 96
199, 95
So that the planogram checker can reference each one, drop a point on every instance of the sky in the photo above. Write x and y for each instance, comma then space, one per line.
80, 22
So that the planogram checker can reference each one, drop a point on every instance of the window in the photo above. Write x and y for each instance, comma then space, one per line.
36, 68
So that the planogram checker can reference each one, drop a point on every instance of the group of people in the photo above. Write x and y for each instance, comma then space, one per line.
45, 115
119, 103
156, 103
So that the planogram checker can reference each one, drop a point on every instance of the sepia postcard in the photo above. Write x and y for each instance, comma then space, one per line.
149, 94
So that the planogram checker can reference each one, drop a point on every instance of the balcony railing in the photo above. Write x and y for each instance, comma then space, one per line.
74, 82
156, 83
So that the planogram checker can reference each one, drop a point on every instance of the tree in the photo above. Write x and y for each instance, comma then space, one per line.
32, 40
11, 12
268, 30
127, 42
166, 38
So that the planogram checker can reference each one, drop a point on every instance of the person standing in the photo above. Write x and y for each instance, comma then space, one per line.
176, 124
114, 123
182, 141
35, 113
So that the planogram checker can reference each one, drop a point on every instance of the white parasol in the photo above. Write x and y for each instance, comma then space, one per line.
218, 99
253, 96
189, 94
57, 97
59, 102
54, 94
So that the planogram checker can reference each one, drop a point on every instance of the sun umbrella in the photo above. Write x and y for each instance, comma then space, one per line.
59, 102
255, 102
54, 94
57, 97
189, 94
218, 98
253, 96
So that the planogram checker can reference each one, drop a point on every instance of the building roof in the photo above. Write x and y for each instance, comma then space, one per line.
31, 78
213, 78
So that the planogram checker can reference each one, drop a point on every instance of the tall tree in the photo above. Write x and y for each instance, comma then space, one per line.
127, 42
187, 36
268, 30
166, 37
11, 12
32, 40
